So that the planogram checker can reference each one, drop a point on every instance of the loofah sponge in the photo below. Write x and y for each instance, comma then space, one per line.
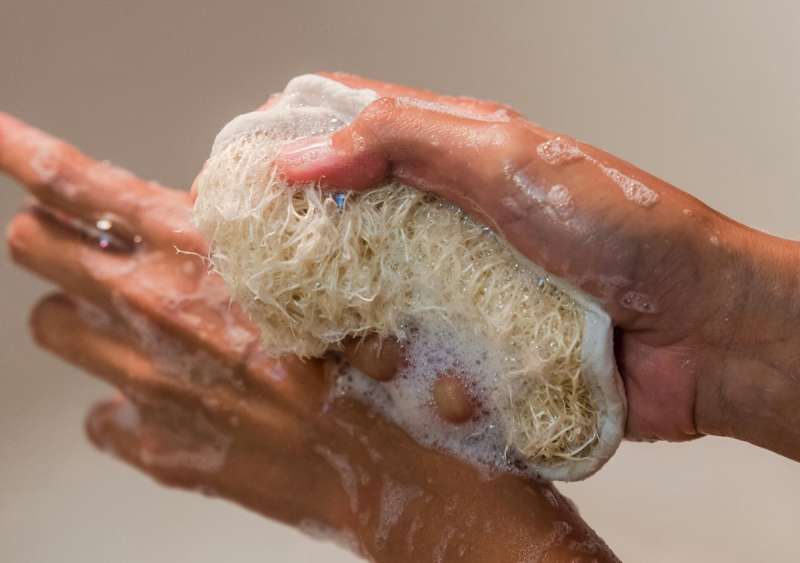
313, 270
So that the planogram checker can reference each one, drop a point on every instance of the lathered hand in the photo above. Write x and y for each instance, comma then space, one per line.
706, 308
202, 408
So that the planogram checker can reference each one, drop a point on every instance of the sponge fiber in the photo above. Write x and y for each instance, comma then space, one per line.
313, 270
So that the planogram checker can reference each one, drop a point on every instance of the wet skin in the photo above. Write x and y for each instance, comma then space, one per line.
200, 407
706, 310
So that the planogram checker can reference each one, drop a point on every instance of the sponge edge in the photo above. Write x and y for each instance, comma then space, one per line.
394, 261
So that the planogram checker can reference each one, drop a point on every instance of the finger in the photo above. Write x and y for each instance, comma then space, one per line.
90, 340
390, 135
59, 254
390, 90
452, 398
378, 358
173, 375
166, 454
347, 167
179, 449
547, 196
175, 293
60, 176
381, 359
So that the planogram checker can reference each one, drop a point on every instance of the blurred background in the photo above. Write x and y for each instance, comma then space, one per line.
703, 94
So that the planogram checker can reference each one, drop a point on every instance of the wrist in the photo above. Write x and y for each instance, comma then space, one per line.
473, 518
754, 393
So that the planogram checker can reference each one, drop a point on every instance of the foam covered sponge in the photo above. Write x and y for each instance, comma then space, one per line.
313, 270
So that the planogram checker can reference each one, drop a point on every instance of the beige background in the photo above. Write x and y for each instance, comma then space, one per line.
704, 94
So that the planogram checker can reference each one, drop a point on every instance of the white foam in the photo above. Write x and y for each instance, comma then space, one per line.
560, 201
395, 497
46, 153
634, 190
416, 525
187, 440
172, 357
529, 189
345, 471
440, 551
559, 151
309, 105
638, 302
435, 348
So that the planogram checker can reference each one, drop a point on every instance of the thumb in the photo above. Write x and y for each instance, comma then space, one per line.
343, 165
583, 215
406, 138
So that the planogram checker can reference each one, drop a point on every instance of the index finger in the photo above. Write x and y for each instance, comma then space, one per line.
391, 90
61, 177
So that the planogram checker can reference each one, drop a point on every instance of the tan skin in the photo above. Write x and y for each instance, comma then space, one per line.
202, 408
695, 362
706, 309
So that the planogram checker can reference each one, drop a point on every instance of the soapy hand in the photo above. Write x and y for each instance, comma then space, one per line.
702, 304
202, 408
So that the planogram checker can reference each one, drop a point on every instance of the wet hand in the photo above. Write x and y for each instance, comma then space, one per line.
201, 407
701, 303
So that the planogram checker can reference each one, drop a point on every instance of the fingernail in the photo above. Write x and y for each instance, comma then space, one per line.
304, 150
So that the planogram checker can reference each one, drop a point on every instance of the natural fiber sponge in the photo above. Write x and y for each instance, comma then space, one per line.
313, 269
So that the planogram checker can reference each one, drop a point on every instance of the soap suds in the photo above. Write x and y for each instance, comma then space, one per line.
45, 155
634, 190
560, 201
531, 190
186, 438
638, 302
394, 499
346, 474
559, 151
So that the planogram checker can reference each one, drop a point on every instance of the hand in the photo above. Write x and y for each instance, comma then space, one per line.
202, 408
705, 308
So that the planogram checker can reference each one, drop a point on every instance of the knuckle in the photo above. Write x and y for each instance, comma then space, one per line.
18, 234
510, 112
49, 165
46, 319
379, 113
368, 133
